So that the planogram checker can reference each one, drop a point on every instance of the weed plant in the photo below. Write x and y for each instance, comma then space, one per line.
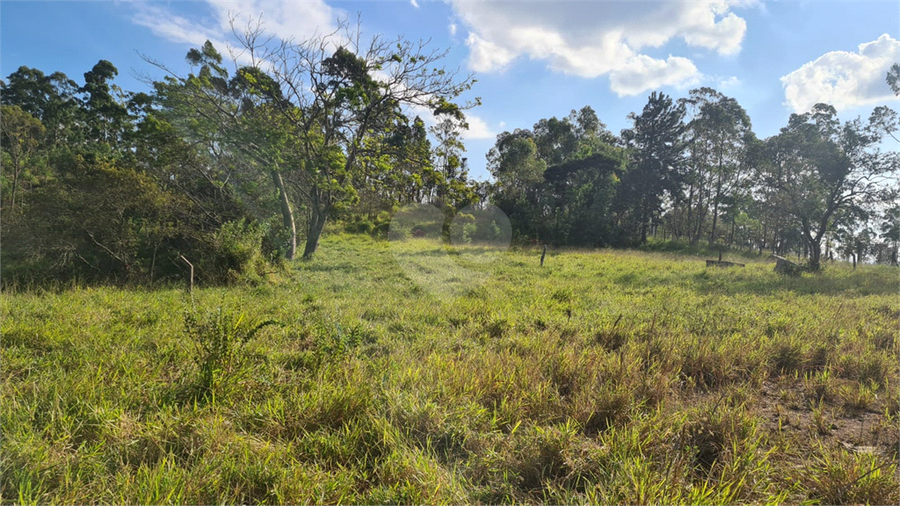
219, 337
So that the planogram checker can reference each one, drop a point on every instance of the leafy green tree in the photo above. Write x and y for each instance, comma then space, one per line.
20, 137
556, 140
448, 159
104, 107
115, 194
719, 132
584, 192
818, 168
514, 162
397, 169
890, 232
52, 99
98, 214
411, 163
240, 135
518, 173
657, 146
556, 183
885, 121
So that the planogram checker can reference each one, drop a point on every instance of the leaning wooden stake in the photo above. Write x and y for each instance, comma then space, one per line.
543, 255
191, 280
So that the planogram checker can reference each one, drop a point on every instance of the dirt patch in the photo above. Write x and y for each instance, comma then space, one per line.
787, 412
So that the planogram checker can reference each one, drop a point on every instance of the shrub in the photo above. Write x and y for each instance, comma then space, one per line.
462, 228
232, 254
398, 233
360, 227
468, 232
488, 231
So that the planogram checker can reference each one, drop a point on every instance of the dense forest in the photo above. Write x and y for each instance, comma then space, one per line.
238, 170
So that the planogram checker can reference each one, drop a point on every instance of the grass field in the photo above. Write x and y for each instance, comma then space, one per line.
386, 373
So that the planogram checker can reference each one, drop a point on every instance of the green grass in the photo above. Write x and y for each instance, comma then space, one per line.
400, 373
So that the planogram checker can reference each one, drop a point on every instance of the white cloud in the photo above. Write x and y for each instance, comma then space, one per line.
414, 3
724, 36
172, 27
486, 56
590, 39
844, 79
728, 82
285, 20
478, 129
643, 73
452, 29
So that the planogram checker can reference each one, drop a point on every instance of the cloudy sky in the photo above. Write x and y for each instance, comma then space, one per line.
532, 59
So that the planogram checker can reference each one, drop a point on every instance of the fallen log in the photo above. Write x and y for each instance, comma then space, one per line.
723, 263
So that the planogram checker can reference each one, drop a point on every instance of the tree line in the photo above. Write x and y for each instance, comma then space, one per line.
232, 169
238, 165
692, 170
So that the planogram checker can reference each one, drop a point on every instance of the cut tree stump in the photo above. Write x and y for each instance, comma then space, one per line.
785, 266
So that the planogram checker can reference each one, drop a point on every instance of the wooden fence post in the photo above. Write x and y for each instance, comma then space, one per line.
191, 280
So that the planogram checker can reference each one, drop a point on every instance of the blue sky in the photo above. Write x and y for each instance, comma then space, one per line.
532, 59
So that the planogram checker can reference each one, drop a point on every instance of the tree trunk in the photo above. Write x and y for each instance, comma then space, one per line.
287, 215
712, 232
815, 254
701, 215
690, 206
733, 225
12, 200
316, 224
645, 218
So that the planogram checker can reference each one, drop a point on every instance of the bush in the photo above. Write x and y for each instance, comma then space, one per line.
488, 231
461, 228
398, 234
233, 254
275, 240
360, 227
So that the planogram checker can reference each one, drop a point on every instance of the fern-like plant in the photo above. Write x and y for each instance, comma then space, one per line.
219, 337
